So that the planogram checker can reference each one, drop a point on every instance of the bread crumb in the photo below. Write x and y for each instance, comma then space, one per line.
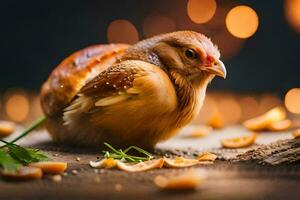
77, 159
186, 181
97, 179
56, 178
118, 187
74, 171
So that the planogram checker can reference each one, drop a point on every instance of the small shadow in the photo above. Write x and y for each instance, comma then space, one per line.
67, 148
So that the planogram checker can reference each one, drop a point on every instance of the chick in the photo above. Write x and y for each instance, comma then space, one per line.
130, 95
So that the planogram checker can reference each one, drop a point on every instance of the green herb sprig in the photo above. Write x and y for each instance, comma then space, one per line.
34, 125
123, 154
13, 156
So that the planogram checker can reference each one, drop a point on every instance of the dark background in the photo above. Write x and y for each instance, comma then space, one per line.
37, 35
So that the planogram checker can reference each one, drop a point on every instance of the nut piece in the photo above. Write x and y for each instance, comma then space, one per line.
216, 121
280, 125
198, 131
180, 162
24, 173
186, 181
142, 166
104, 163
207, 156
296, 133
262, 122
56, 178
239, 142
6, 128
50, 167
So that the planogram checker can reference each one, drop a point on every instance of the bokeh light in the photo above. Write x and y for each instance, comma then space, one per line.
35, 108
292, 100
242, 21
157, 24
292, 13
201, 11
17, 107
122, 31
249, 107
228, 45
208, 109
231, 110
267, 102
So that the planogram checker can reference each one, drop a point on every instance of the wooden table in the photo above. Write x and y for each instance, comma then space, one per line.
225, 180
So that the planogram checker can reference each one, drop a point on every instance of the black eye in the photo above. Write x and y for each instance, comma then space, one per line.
191, 54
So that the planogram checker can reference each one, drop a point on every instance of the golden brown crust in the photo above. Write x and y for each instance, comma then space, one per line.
114, 79
73, 72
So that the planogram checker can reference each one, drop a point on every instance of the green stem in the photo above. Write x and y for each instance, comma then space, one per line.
139, 150
139, 158
4, 141
120, 154
36, 124
113, 149
128, 158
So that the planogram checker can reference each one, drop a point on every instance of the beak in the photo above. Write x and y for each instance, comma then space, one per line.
216, 67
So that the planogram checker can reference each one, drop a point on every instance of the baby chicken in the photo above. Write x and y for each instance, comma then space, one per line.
130, 95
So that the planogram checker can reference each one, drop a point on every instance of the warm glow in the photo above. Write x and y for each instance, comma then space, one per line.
228, 44
267, 102
292, 100
36, 109
249, 107
231, 110
292, 13
17, 107
156, 24
201, 11
208, 109
242, 21
122, 31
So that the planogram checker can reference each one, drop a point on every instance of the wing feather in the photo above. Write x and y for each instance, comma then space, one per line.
111, 86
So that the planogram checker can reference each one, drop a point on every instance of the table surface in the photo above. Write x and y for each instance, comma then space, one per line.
224, 180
